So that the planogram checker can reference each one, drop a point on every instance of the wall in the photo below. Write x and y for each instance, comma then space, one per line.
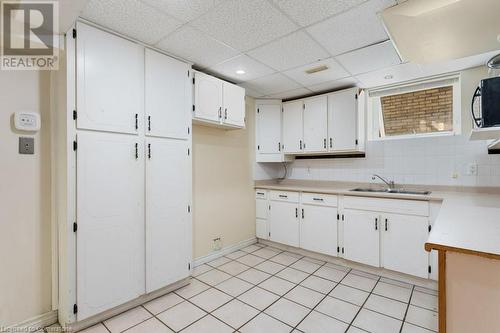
428, 161
223, 195
25, 239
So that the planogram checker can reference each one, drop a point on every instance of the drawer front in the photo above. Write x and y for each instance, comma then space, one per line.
260, 194
285, 196
319, 199
408, 207
261, 208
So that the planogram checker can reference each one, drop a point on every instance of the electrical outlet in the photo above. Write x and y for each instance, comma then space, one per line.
472, 169
217, 244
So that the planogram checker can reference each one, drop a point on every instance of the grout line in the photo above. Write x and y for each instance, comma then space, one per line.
407, 308
363, 305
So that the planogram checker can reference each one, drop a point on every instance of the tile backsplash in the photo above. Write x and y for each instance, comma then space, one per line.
443, 160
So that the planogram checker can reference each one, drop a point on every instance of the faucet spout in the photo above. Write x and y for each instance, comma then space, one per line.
389, 183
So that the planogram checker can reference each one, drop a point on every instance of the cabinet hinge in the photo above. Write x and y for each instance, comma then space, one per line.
194, 108
189, 151
189, 209
430, 269
189, 130
75, 308
282, 109
74, 33
193, 80
269, 207
75, 227
75, 115
430, 228
338, 217
338, 249
342, 217
189, 266
269, 234
356, 142
258, 110
188, 73
303, 106
356, 96
342, 250
258, 147
75, 145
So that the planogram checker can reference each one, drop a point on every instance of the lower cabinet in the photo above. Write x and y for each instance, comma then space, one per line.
362, 237
261, 214
284, 218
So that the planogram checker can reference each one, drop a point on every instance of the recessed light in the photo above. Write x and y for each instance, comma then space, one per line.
317, 69
388, 77
240, 72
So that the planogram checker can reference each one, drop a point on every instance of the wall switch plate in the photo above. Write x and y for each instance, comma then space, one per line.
27, 121
472, 169
26, 145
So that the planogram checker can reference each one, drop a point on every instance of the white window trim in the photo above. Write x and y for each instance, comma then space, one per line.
422, 84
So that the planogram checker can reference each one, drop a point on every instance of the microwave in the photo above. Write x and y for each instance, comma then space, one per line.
489, 92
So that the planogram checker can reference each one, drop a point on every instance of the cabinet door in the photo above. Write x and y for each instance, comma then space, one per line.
362, 237
342, 120
268, 129
207, 97
318, 229
110, 217
292, 127
234, 104
110, 82
167, 190
284, 223
315, 124
403, 239
261, 229
167, 96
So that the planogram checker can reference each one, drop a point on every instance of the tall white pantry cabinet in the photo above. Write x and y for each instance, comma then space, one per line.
124, 174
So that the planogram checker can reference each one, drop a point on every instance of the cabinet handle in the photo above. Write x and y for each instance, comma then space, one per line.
317, 199
283, 196
331, 143
225, 113
149, 123
279, 146
136, 121
385, 224
296, 212
302, 213
220, 112
260, 193
376, 223
324, 143
149, 151
300, 144
136, 151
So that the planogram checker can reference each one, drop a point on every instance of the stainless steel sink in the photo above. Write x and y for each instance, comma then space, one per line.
391, 190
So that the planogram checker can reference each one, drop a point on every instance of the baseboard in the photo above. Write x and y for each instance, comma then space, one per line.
35, 323
222, 252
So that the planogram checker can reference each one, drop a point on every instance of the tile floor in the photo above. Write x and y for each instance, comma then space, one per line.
264, 289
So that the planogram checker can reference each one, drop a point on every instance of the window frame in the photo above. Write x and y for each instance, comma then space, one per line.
375, 123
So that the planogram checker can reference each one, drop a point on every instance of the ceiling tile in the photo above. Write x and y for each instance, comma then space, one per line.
291, 93
132, 18
253, 69
457, 64
252, 93
356, 28
312, 11
290, 51
245, 24
370, 58
272, 84
331, 85
185, 10
197, 47
391, 75
334, 72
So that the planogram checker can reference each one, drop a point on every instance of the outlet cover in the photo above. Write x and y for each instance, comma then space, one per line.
26, 145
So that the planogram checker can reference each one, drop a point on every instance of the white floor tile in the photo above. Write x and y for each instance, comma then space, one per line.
306, 266
266, 253
235, 313
213, 277
321, 285
422, 317
386, 306
426, 290
236, 254
269, 267
263, 324
181, 315
316, 261
304, 296
99, 328
348, 294
338, 309
234, 286
152, 325
376, 323
218, 262
410, 328
424, 300
287, 311
258, 298
392, 291
250, 260
194, 288
201, 269
284, 259
360, 282
163, 303
292, 275
330, 273
208, 324
127, 319
233, 268
319, 323
353, 329
253, 276
277, 285
210, 299
251, 248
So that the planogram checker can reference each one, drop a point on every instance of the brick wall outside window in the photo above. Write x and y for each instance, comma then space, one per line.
424, 111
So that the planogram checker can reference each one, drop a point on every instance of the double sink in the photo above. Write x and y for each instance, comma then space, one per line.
391, 190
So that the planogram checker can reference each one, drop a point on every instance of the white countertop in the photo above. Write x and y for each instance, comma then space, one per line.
468, 221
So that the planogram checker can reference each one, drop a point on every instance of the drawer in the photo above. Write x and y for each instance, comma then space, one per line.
285, 196
398, 206
319, 199
260, 194
261, 209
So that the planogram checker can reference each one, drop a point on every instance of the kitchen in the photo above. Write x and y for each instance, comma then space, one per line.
251, 166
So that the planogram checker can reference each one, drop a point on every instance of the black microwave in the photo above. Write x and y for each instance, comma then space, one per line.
489, 92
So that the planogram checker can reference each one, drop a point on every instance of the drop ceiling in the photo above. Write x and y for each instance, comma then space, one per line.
272, 43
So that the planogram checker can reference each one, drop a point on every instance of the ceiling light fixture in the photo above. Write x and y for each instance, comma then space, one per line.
240, 72
317, 69
494, 63
388, 77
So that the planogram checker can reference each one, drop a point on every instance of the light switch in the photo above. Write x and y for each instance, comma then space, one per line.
26, 145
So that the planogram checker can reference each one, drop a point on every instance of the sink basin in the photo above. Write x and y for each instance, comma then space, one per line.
391, 190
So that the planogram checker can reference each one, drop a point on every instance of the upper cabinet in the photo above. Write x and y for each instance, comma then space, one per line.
110, 82
343, 120
217, 102
315, 126
293, 127
168, 96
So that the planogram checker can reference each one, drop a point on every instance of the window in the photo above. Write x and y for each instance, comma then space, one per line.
415, 110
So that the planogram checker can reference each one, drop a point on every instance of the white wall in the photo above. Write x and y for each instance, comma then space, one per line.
25, 239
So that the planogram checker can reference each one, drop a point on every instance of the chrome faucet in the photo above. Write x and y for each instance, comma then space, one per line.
389, 183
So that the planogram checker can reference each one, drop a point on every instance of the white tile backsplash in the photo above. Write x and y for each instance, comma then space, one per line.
420, 161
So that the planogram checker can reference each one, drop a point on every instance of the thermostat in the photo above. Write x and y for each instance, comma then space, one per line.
27, 121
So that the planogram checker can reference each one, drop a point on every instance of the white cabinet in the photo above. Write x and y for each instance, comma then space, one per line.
293, 127
217, 102
261, 214
318, 225
110, 216
315, 124
167, 218
343, 120
362, 236
403, 239
167, 96
284, 218
110, 82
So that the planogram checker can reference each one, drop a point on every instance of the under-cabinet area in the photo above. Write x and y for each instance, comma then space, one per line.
379, 232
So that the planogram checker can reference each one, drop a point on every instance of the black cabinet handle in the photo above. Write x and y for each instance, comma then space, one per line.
279, 146
260, 193
331, 143
136, 151
302, 213
296, 212
385, 224
300, 144
149, 151
136, 121
220, 112
317, 199
376, 223
283, 196
149, 123
225, 113
324, 143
